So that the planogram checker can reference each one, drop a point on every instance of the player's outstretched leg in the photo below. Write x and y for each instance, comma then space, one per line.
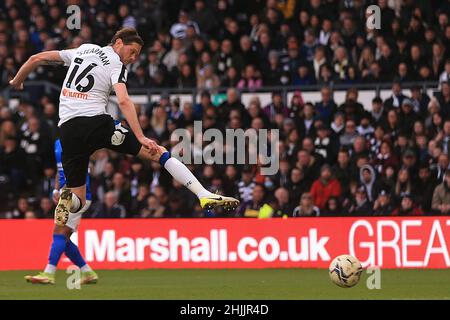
68, 202
62, 243
56, 250
182, 174
59, 245
88, 276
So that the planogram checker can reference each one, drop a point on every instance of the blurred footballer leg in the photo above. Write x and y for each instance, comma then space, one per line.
57, 248
78, 198
88, 275
184, 176
70, 200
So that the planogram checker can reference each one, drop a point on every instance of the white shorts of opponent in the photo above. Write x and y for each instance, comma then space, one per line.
74, 218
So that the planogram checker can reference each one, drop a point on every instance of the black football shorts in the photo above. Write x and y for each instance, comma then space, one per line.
82, 136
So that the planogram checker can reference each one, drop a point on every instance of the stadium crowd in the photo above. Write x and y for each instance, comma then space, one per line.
335, 160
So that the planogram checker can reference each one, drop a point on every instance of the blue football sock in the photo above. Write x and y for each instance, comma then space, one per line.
74, 254
58, 247
164, 157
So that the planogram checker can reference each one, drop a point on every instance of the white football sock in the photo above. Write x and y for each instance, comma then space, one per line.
76, 203
182, 174
50, 268
85, 268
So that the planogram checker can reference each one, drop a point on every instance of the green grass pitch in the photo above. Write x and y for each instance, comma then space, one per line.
240, 284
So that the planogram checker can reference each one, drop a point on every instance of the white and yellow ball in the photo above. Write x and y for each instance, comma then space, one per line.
345, 271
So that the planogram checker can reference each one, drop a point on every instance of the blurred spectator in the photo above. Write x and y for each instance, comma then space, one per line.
407, 207
204, 105
30, 214
121, 188
305, 122
251, 207
187, 78
47, 183
445, 75
138, 78
385, 157
207, 79
318, 60
170, 60
283, 203
204, 17
388, 62
303, 76
246, 185
332, 208
325, 187
46, 209
326, 107
341, 62
152, 208
139, 201
37, 147
180, 201
178, 30
13, 164
367, 177
233, 102
109, 208
227, 58
350, 134
230, 183
404, 184
441, 196
128, 21
20, 209
383, 205
396, 99
306, 207
277, 106
360, 205
427, 183
250, 78
104, 180
351, 108
231, 78
273, 73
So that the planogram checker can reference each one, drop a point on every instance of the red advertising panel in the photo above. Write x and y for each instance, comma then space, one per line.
235, 243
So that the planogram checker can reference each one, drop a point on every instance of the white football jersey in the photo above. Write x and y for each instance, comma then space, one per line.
93, 70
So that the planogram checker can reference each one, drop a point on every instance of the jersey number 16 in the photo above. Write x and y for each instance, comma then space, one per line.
82, 75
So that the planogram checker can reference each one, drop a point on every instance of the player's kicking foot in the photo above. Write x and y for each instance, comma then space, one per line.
89, 277
213, 201
41, 278
62, 210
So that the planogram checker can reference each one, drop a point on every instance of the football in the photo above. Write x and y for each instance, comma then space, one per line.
345, 271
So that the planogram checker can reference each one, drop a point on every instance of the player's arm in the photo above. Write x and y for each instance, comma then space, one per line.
129, 111
43, 58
